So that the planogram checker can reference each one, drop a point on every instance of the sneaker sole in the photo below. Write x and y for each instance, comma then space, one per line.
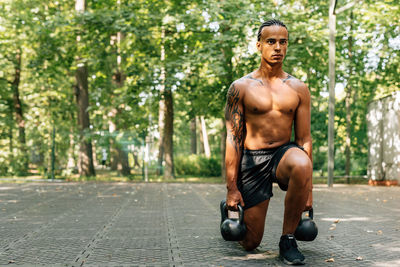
295, 262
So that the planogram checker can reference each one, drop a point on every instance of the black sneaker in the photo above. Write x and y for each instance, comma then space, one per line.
288, 251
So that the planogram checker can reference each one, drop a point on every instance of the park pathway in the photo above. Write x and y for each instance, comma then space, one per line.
171, 224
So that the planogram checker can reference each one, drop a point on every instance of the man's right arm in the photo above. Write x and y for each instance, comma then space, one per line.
235, 126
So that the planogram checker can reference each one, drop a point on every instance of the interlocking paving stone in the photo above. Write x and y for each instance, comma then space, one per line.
156, 224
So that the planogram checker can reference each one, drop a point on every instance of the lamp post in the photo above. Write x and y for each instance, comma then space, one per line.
332, 50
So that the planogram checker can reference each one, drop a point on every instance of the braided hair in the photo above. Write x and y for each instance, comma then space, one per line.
270, 22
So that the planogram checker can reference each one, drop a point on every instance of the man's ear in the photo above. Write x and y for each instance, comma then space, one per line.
258, 44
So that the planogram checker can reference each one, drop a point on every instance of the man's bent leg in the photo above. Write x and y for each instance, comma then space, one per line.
294, 170
254, 218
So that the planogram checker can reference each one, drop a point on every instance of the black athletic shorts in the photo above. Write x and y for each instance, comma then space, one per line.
258, 171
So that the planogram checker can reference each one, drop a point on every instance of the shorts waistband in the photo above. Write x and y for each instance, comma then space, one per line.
265, 151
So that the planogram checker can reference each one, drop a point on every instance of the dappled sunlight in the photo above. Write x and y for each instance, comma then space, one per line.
257, 255
389, 247
351, 219
387, 263
5, 188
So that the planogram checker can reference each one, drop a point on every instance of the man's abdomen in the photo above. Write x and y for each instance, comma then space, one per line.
268, 134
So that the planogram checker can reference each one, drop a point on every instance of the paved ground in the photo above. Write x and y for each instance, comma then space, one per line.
110, 224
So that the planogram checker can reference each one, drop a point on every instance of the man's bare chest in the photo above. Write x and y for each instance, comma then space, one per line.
262, 100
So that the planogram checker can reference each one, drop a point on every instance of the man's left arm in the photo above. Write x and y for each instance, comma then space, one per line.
302, 127
302, 121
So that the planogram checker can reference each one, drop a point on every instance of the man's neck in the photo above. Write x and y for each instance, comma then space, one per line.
270, 72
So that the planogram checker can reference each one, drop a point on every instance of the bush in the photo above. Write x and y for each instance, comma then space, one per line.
197, 165
13, 165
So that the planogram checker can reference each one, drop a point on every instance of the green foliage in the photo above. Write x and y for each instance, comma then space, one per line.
198, 165
208, 45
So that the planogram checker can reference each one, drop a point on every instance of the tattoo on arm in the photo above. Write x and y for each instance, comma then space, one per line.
235, 117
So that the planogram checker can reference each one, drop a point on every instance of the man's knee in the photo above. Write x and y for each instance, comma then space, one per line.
250, 244
303, 164
302, 169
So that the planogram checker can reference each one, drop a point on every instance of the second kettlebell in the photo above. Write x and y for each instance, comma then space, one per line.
307, 229
232, 229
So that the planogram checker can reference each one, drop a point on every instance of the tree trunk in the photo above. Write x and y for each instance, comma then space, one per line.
161, 142
17, 101
11, 147
193, 136
71, 152
201, 141
113, 155
348, 103
348, 135
95, 162
223, 150
135, 160
119, 156
123, 166
161, 108
228, 54
168, 135
19, 117
331, 105
80, 5
205, 137
113, 147
85, 161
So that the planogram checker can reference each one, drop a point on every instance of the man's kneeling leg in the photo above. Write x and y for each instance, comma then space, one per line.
254, 218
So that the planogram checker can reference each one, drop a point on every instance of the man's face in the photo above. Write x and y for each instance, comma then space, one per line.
273, 43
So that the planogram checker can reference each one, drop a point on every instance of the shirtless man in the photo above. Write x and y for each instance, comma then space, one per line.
260, 110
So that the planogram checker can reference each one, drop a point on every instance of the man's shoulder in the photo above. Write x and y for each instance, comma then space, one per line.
295, 83
249, 78
246, 81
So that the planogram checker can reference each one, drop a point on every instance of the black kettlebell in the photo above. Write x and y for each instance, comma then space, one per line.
232, 229
307, 229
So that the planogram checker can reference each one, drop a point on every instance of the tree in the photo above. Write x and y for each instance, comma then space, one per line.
85, 163
179, 76
13, 67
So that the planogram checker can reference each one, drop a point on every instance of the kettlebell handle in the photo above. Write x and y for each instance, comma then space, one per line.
240, 214
311, 213
224, 212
